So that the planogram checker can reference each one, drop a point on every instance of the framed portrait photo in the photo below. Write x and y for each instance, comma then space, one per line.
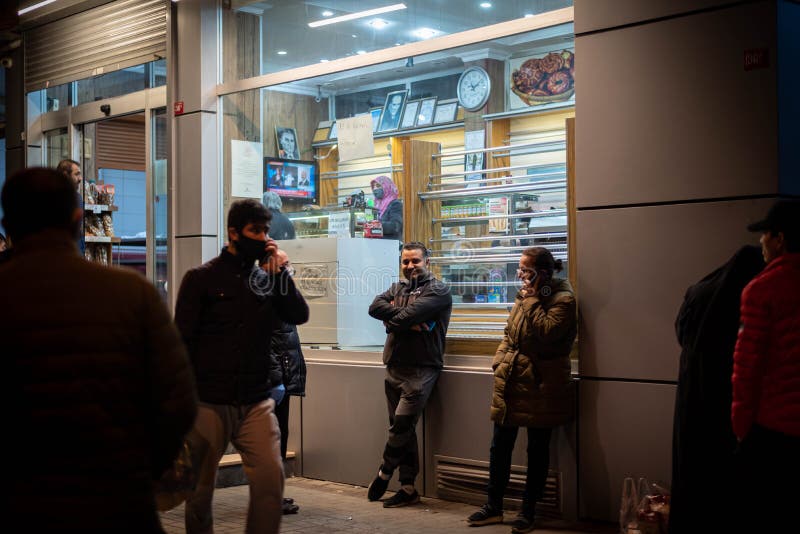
427, 106
376, 118
392, 111
446, 111
286, 139
332, 134
410, 114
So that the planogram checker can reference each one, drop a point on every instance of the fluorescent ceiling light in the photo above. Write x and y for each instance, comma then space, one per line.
281, 52
377, 24
361, 52
528, 15
425, 33
323, 60
486, 5
34, 6
357, 15
327, 13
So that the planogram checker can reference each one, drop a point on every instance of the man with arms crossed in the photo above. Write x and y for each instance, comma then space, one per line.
225, 311
416, 312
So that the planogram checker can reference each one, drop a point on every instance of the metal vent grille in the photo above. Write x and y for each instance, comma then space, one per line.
107, 38
463, 480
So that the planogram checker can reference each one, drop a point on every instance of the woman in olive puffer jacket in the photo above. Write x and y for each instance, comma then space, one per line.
532, 383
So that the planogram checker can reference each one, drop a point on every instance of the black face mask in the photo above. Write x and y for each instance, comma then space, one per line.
249, 249
378, 193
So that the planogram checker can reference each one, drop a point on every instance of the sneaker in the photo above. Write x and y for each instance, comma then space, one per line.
487, 515
522, 524
288, 500
289, 508
377, 488
401, 498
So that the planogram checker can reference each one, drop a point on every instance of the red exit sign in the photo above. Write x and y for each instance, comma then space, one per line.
177, 107
757, 58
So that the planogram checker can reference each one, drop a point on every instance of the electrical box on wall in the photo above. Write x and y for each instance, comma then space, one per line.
339, 278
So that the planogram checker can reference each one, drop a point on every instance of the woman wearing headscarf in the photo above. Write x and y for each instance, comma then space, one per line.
389, 206
532, 383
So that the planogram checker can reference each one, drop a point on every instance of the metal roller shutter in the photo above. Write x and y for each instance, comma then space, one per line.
107, 38
121, 143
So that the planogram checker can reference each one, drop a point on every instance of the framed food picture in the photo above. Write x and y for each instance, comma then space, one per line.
542, 79
446, 111
427, 106
410, 114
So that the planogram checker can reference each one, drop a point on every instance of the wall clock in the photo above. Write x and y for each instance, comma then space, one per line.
473, 89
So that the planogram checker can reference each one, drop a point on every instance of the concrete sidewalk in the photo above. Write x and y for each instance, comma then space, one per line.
329, 507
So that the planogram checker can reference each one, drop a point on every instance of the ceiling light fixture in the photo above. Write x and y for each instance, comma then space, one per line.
357, 15
34, 6
281, 52
361, 52
425, 33
378, 24
327, 13
528, 15
324, 60
486, 5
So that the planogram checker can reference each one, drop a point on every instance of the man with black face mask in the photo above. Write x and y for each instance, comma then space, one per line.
226, 311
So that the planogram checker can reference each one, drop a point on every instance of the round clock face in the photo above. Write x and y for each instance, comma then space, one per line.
473, 88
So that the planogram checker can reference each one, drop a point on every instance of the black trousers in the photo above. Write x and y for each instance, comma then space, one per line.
500, 465
282, 413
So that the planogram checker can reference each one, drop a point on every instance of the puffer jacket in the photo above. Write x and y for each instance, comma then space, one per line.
532, 382
286, 350
766, 362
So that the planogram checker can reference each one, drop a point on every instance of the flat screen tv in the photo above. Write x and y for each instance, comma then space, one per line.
291, 178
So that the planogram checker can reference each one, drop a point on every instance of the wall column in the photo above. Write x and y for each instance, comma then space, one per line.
195, 194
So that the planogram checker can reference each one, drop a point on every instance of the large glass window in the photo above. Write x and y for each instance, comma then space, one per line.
116, 83
58, 97
56, 146
263, 37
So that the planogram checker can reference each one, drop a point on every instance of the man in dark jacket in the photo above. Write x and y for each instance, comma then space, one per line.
101, 389
225, 311
416, 312
281, 226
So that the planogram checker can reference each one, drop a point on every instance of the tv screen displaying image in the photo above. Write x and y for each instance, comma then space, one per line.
291, 178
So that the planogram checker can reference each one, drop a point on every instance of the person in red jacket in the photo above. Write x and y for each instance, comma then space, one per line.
766, 374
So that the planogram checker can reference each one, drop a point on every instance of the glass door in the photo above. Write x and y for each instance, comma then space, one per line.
158, 201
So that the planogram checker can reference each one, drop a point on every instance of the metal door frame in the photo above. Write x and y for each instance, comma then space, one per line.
146, 101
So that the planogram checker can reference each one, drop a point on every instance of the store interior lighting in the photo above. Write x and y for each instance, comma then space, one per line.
34, 7
377, 24
357, 15
425, 33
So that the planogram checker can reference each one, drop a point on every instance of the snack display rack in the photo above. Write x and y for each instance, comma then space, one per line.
98, 211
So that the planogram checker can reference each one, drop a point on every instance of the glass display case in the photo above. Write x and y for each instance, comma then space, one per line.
331, 222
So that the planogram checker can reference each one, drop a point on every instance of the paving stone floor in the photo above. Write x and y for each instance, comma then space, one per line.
328, 507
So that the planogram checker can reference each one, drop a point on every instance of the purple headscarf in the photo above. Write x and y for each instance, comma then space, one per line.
390, 193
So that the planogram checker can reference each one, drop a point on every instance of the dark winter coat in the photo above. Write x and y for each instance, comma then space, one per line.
532, 382
281, 226
703, 442
409, 303
100, 390
226, 311
392, 220
286, 350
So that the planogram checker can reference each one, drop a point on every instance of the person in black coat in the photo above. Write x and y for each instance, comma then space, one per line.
703, 442
287, 352
281, 226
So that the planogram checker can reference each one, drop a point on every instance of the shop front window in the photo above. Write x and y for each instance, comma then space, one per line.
116, 83
58, 97
262, 38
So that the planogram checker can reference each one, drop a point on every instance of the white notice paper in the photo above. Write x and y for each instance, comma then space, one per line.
247, 161
339, 223
355, 138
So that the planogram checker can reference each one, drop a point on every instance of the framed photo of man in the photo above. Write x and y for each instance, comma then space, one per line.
286, 139
392, 111
410, 114
427, 106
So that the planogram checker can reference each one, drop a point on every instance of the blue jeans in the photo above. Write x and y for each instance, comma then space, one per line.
500, 465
